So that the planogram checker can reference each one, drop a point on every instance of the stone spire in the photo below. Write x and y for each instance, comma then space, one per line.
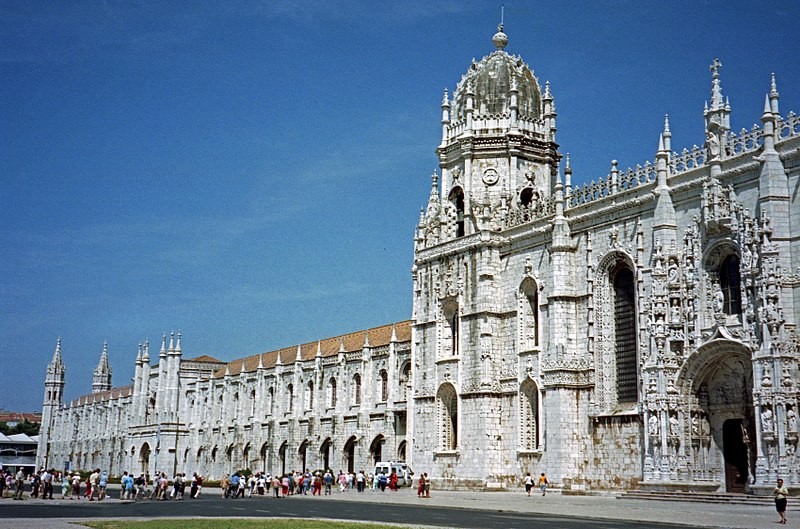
53, 391
101, 381
665, 223
717, 116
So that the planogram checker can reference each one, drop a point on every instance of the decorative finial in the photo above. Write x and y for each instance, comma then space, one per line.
567, 166
666, 124
715, 66
500, 39
446, 98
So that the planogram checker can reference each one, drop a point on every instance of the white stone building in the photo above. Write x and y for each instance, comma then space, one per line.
639, 331
338, 403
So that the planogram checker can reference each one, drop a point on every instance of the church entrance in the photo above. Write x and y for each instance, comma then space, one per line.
735, 450
718, 447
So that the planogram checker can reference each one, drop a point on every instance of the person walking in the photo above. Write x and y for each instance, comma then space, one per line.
543, 482
20, 484
781, 493
528, 483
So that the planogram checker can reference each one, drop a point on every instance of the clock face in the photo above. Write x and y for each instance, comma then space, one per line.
490, 177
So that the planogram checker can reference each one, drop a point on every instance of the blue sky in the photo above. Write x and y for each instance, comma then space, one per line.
250, 173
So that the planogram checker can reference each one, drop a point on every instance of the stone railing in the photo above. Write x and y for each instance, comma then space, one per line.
746, 141
522, 215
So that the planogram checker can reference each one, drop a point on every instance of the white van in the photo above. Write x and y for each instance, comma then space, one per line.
403, 471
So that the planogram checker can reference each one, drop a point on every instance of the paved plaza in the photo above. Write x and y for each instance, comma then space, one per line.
554, 504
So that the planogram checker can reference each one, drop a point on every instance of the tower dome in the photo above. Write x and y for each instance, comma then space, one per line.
490, 80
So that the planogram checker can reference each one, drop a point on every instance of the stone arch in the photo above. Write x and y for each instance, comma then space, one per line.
449, 328
405, 379
456, 199
144, 458
331, 393
349, 454
447, 417
302, 453
616, 336
528, 314
356, 389
246, 456
718, 431
376, 448
529, 427
282, 456
264, 453
722, 266
383, 385
325, 450
401, 450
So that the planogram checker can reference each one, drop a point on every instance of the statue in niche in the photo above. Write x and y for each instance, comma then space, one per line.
705, 427
652, 427
747, 257
673, 425
672, 271
786, 377
790, 449
791, 420
689, 270
675, 311
712, 143
719, 299
767, 425
766, 378
695, 425
690, 310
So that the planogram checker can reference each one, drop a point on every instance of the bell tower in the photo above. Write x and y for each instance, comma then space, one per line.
498, 150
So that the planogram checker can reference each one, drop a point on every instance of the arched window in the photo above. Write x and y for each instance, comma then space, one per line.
457, 199
405, 380
529, 415
730, 282
331, 397
529, 315
450, 329
356, 389
252, 403
384, 384
447, 417
289, 398
625, 335
309, 396
270, 400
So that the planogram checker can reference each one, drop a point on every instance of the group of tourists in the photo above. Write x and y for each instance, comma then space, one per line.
238, 485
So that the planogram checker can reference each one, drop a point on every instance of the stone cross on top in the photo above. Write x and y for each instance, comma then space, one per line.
715, 66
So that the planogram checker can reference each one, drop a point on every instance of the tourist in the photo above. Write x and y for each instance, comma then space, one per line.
140, 483
421, 486
427, 486
103, 483
528, 483
543, 483
328, 478
393, 480
20, 484
66, 489
36, 481
342, 481
781, 493
76, 485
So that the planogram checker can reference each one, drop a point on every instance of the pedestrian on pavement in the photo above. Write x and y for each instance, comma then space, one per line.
20, 484
528, 483
543, 482
427, 485
781, 493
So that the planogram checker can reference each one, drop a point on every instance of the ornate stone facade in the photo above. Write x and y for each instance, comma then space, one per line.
636, 331
338, 403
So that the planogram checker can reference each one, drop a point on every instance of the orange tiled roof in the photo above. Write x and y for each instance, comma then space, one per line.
13, 416
354, 341
111, 394
204, 358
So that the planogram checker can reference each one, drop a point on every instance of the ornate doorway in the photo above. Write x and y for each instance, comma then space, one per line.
735, 451
718, 381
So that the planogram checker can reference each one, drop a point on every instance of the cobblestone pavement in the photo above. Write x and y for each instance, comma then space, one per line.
599, 507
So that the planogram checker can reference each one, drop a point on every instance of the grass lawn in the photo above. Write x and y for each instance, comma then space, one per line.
207, 523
